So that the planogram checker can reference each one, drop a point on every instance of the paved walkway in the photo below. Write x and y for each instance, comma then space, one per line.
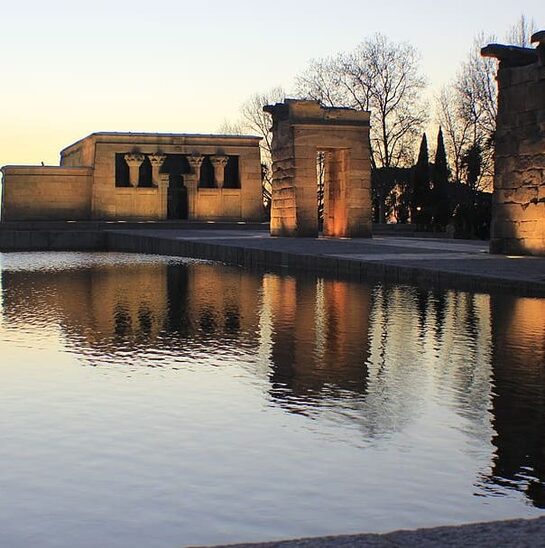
507, 534
452, 262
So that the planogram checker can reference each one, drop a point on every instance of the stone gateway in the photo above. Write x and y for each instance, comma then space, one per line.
141, 176
301, 130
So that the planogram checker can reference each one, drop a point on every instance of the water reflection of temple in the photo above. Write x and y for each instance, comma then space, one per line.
366, 356
319, 336
519, 395
134, 308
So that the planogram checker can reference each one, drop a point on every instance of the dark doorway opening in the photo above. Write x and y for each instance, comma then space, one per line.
177, 198
176, 165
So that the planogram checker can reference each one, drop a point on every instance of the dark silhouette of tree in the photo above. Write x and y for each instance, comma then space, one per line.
472, 163
254, 121
420, 203
440, 181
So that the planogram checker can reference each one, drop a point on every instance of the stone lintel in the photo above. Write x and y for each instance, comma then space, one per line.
312, 112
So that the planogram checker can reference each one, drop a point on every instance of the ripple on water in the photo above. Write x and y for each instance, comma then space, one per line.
153, 401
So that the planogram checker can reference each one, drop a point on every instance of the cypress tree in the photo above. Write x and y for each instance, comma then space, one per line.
440, 178
420, 202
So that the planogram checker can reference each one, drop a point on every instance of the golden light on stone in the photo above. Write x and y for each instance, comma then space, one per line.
518, 218
86, 184
301, 129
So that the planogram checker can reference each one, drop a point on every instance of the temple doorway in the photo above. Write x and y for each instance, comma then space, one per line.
177, 198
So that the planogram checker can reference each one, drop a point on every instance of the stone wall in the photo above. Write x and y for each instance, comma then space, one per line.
111, 202
46, 193
85, 185
302, 129
518, 222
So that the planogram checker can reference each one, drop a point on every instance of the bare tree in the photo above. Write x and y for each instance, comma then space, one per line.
521, 32
231, 128
456, 129
379, 76
466, 109
254, 121
324, 80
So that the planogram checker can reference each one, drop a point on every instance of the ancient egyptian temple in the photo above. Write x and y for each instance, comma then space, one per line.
141, 176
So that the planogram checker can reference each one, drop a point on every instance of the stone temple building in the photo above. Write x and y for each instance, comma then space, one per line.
301, 131
141, 176
518, 215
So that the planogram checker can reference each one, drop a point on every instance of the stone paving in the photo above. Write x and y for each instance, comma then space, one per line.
400, 258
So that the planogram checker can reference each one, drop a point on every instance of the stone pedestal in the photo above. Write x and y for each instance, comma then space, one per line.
134, 161
302, 129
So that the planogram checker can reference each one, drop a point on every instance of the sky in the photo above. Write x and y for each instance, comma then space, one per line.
71, 68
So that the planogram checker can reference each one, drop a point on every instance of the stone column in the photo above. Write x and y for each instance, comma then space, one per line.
219, 163
156, 160
134, 161
518, 207
192, 182
164, 182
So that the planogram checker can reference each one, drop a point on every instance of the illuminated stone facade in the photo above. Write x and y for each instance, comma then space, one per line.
301, 130
518, 218
126, 176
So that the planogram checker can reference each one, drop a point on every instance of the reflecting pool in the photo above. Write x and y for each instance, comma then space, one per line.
158, 402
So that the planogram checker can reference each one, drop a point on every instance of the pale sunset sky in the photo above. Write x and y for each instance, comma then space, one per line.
71, 68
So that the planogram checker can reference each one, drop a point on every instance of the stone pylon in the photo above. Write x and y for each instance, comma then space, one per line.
301, 130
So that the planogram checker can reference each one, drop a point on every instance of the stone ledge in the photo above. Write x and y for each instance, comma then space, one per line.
508, 534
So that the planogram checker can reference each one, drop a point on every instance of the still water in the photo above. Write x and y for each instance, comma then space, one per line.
160, 402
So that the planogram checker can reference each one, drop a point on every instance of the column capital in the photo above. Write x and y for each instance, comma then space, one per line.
220, 161
134, 159
195, 161
157, 159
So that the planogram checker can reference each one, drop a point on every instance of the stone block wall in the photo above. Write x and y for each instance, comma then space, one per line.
111, 202
518, 222
302, 129
46, 193
84, 186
